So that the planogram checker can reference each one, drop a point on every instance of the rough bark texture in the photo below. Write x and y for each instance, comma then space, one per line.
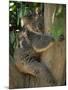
54, 58
48, 13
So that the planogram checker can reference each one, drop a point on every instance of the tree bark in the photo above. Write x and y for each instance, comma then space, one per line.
48, 12
54, 57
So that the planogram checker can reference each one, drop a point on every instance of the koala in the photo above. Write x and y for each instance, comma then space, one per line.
27, 58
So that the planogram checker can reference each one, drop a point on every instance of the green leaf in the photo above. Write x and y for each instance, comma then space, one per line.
12, 37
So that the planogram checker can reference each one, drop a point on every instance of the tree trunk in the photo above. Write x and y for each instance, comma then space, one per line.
48, 13
54, 57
